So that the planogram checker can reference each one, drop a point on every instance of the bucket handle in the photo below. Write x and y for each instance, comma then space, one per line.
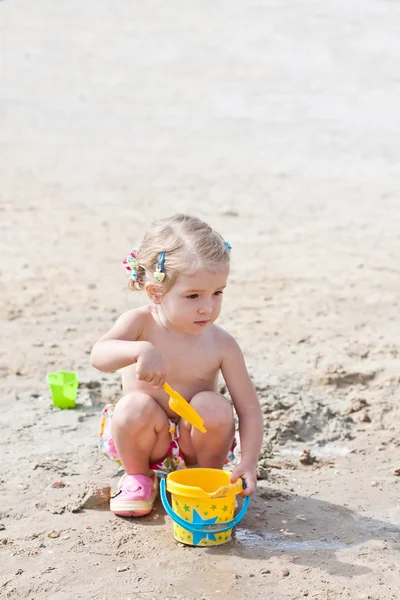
201, 528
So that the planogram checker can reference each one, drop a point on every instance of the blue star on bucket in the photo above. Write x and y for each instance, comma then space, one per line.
197, 535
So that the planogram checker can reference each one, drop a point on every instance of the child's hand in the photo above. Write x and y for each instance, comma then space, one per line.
150, 367
248, 473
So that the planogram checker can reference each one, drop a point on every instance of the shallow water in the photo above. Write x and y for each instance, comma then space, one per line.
268, 540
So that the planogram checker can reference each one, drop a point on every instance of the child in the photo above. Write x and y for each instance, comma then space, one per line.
183, 265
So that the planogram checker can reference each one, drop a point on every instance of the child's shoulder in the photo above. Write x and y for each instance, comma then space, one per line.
134, 318
142, 312
224, 339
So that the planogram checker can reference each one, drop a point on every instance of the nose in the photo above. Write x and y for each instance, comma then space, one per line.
206, 308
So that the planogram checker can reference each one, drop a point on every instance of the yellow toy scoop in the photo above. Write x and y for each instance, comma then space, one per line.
183, 408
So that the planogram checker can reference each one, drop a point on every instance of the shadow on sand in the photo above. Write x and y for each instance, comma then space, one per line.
310, 529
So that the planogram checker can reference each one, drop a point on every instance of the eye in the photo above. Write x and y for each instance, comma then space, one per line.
192, 296
219, 293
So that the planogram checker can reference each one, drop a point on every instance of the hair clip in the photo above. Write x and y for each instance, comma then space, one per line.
131, 264
159, 274
227, 244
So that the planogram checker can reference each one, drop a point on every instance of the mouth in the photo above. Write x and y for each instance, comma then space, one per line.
202, 323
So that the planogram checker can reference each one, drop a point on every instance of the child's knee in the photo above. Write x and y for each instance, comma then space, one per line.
215, 409
135, 410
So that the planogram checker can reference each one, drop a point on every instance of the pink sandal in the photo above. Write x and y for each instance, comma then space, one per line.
135, 496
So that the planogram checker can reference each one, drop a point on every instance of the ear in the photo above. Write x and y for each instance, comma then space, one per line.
153, 291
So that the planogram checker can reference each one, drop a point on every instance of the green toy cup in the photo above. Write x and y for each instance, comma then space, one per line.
64, 388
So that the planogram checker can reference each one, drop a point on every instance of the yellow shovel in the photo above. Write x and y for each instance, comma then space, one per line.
182, 408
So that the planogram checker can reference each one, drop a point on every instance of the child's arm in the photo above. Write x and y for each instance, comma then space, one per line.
119, 348
248, 409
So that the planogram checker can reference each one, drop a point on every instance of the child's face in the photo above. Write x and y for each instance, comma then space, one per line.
194, 301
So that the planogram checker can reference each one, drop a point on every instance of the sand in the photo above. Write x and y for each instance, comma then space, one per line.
279, 124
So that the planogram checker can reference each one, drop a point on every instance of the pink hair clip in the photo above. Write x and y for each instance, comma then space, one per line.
131, 265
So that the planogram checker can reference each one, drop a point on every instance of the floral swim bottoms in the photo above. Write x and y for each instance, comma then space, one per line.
172, 462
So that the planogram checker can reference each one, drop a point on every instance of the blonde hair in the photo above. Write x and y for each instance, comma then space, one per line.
189, 244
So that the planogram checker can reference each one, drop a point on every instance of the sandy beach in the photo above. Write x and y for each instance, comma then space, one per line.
278, 123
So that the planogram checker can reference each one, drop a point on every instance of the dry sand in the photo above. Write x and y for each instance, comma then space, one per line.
279, 123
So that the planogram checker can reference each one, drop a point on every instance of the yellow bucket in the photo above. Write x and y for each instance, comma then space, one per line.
202, 505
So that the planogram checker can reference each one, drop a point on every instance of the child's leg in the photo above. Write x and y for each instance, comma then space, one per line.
208, 449
140, 431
